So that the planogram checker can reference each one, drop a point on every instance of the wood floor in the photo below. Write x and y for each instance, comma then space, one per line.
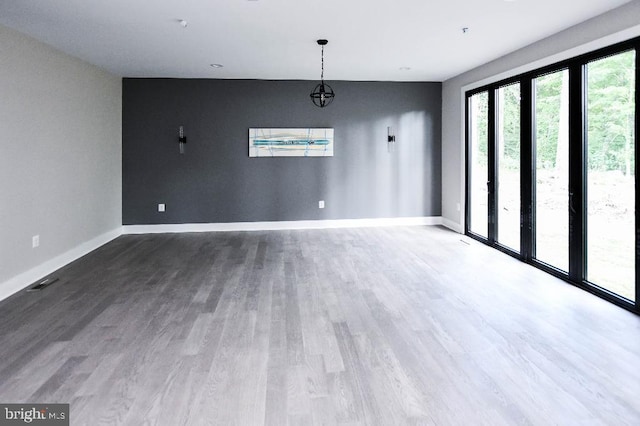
387, 326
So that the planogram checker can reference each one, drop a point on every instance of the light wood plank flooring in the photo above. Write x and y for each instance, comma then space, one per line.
387, 326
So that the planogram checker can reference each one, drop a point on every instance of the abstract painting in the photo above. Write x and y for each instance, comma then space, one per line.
290, 142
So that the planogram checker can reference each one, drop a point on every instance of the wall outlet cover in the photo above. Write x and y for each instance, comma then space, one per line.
321, 204
161, 207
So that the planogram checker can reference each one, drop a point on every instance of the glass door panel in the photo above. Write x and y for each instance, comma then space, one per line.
552, 169
611, 173
508, 152
478, 161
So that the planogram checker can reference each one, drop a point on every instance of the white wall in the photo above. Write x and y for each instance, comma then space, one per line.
614, 26
60, 158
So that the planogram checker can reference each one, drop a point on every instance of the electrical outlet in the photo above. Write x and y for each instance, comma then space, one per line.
35, 241
321, 204
161, 207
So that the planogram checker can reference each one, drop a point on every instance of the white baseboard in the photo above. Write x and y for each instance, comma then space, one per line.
281, 225
452, 225
19, 282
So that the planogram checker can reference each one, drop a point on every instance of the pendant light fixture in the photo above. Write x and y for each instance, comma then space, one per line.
322, 95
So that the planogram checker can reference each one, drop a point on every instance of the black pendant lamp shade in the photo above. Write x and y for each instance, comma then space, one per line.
322, 95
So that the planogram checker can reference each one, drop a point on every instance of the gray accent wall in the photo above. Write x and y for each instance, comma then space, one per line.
60, 155
215, 181
609, 28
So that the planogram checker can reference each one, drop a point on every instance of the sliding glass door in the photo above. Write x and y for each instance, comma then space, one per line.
508, 166
478, 124
551, 183
551, 170
494, 168
610, 173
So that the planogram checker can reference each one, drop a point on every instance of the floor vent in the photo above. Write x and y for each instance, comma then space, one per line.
42, 284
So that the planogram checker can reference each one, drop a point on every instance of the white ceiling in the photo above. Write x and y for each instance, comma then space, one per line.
276, 39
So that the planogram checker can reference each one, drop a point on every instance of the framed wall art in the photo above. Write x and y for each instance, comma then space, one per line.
302, 142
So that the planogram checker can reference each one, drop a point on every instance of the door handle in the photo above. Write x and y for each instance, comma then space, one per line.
573, 210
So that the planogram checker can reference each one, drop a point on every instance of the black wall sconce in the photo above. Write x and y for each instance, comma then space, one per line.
182, 140
391, 139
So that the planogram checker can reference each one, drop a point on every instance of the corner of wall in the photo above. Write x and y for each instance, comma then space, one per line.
25, 279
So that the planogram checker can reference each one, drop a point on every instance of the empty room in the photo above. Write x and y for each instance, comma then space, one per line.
268, 212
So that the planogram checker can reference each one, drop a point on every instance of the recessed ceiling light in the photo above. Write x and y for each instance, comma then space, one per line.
404, 68
217, 65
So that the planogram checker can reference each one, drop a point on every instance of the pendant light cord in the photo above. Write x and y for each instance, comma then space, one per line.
322, 73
